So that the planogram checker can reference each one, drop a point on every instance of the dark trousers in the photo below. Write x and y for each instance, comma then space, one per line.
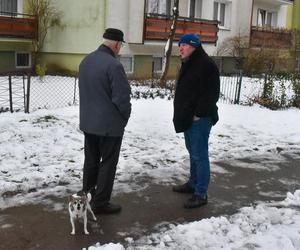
101, 159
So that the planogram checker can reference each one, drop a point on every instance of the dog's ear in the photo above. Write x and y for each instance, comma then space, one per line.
89, 197
71, 198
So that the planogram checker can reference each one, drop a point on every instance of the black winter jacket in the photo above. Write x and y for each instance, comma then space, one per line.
197, 90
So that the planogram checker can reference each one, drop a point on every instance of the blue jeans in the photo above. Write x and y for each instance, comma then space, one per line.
196, 141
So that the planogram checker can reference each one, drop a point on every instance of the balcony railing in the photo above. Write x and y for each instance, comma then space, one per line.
270, 38
17, 25
157, 27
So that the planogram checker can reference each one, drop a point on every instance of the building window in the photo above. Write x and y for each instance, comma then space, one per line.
222, 13
8, 6
297, 65
195, 8
127, 62
266, 18
23, 60
157, 64
162, 7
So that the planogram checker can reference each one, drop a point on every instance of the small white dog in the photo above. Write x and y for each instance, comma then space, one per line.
79, 204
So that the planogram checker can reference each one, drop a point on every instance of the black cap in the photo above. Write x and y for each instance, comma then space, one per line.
114, 34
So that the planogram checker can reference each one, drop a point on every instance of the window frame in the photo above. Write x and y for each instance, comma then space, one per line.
273, 14
195, 5
227, 13
297, 64
162, 61
29, 60
132, 63
169, 4
13, 12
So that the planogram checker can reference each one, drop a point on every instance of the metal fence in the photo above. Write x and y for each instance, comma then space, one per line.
230, 89
12, 92
27, 93
52, 92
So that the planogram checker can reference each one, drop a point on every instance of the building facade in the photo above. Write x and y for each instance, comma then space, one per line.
146, 25
17, 31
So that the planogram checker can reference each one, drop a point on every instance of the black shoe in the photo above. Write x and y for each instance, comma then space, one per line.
109, 208
185, 188
195, 201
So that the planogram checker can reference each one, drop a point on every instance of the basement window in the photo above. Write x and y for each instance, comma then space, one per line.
127, 62
157, 64
23, 60
297, 65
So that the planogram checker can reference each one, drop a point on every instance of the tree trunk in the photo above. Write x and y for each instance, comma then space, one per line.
168, 46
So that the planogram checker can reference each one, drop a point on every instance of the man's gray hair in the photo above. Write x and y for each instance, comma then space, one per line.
109, 43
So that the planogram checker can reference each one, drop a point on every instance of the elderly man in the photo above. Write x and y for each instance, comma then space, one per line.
105, 108
195, 112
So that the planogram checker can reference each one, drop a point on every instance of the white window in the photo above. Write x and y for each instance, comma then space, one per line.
222, 12
195, 8
127, 62
23, 60
8, 6
157, 64
266, 18
163, 7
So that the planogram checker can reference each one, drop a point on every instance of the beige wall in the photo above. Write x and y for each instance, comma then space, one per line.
82, 26
62, 63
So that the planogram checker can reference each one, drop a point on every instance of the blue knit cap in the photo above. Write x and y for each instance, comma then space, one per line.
191, 39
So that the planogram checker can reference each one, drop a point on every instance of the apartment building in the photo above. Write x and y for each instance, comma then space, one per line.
146, 25
17, 31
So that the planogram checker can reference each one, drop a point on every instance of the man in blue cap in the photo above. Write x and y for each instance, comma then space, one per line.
195, 112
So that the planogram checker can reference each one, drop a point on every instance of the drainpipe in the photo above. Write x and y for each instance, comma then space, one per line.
251, 19
105, 13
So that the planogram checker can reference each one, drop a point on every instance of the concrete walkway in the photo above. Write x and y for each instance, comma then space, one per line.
37, 227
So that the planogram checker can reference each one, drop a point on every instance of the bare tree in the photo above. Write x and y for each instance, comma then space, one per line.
234, 46
48, 17
169, 44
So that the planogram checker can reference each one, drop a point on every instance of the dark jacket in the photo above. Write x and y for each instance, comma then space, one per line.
104, 94
197, 90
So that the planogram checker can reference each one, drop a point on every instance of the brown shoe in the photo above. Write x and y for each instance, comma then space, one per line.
185, 188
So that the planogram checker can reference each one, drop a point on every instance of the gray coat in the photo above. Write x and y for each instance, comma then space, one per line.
104, 94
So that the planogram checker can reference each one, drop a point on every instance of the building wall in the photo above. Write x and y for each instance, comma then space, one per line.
7, 61
128, 17
281, 9
8, 47
239, 23
62, 63
296, 15
82, 26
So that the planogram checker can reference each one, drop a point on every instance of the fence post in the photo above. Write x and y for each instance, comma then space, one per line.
238, 90
10, 94
74, 99
28, 93
24, 94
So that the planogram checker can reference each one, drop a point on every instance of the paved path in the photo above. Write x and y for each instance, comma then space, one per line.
37, 227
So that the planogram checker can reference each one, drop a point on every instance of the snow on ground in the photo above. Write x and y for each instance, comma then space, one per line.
266, 226
41, 153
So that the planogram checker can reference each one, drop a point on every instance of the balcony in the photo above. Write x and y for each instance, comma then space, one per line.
15, 25
157, 27
270, 38
278, 2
